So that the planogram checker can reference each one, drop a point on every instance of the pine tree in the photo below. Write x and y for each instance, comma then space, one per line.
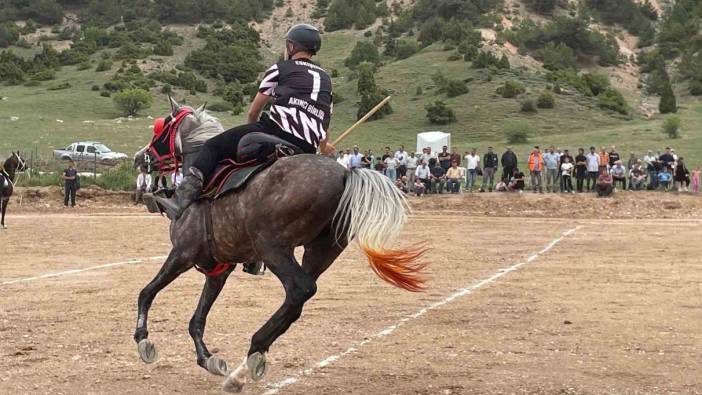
370, 94
668, 102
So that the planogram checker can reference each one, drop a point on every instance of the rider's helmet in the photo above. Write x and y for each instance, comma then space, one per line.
305, 37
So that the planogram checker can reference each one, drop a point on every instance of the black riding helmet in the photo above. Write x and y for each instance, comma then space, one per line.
306, 36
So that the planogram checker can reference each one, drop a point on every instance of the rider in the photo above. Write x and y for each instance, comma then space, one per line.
300, 93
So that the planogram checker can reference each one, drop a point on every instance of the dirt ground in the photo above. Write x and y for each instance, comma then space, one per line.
613, 307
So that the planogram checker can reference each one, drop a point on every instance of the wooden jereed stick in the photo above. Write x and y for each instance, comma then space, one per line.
360, 121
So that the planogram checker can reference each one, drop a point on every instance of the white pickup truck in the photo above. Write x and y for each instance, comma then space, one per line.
90, 151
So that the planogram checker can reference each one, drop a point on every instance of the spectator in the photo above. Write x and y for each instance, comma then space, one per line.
517, 183
70, 184
343, 159
695, 180
419, 187
490, 163
580, 169
401, 156
445, 158
380, 166
509, 163
455, 156
422, 175
567, 175
472, 165
536, 167
367, 161
682, 174
650, 161
391, 167
551, 162
176, 178
401, 184
633, 160
593, 168
667, 159
355, 158
438, 178
143, 185
453, 178
618, 172
411, 168
637, 177
613, 157
604, 184
160, 178
665, 177
604, 159
501, 185
427, 155
566, 154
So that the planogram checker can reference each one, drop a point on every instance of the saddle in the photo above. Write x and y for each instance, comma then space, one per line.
256, 152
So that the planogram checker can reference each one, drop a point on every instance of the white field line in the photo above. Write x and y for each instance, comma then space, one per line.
275, 387
76, 271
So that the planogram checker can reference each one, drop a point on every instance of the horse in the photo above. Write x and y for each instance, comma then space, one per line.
302, 200
8, 176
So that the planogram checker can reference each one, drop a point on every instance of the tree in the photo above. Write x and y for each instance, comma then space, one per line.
131, 101
364, 51
557, 57
671, 127
668, 102
370, 94
438, 113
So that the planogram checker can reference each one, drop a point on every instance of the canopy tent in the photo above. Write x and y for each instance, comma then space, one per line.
435, 140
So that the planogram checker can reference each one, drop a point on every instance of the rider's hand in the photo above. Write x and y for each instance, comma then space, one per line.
327, 148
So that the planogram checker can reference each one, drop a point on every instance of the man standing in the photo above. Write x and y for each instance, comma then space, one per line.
143, 183
509, 163
604, 159
580, 169
445, 158
70, 179
411, 168
472, 163
564, 155
455, 156
633, 160
536, 167
650, 160
613, 157
343, 159
593, 168
355, 158
490, 163
552, 163
401, 156
667, 159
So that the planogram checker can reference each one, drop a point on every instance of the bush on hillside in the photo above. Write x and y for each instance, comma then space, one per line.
220, 107
131, 101
370, 93
596, 82
517, 132
344, 14
542, 6
456, 88
58, 87
364, 51
668, 102
528, 106
440, 114
671, 126
104, 65
557, 57
9, 34
405, 49
696, 88
545, 100
612, 99
511, 89
485, 59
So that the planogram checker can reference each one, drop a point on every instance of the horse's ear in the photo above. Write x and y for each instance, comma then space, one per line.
174, 104
201, 108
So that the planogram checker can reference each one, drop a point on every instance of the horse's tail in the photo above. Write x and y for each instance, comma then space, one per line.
372, 210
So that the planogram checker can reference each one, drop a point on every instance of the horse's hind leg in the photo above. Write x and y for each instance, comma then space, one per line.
299, 287
3, 207
174, 266
210, 292
322, 252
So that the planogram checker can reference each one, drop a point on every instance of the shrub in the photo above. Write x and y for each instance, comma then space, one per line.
438, 113
511, 89
528, 106
44, 75
517, 132
84, 66
105, 94
419, 91
334, 73
104, 65
166, 89
612, 99
503, 64
454, 57
671, 126
557, 57
63, 85
131, 101
484, 60
557, 89
163, 48
364, 51
597, 83
668, 102
220, 107
696, 88
405, 49
370, 93
545, 100
456, 88
95, 88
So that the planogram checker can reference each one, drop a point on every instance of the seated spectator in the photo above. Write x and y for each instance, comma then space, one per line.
637, 177
604, 185
401, 184
517, 182
438, 178
501, 185
423, 175
419, 187
665, 178
618, 172
453, 178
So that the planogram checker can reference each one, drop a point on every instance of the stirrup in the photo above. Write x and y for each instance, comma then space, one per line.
255, 268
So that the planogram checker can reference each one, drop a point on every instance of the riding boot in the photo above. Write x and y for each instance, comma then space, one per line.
187, 192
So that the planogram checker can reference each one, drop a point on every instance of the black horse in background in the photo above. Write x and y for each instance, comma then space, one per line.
8, 175
302, 200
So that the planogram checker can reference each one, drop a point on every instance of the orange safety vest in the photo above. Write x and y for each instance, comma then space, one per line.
532, 165
604, 159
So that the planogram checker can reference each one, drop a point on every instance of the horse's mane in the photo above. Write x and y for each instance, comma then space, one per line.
210, 126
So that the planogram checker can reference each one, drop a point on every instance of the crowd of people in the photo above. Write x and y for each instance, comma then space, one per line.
602, 171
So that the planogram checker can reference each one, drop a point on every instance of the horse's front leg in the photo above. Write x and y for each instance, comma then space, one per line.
175, 265
3, 207
299, 287
213, 286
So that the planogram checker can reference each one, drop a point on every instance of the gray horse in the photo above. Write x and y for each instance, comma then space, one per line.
303, 200
8, 175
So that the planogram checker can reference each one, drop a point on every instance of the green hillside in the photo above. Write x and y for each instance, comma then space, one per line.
34, 117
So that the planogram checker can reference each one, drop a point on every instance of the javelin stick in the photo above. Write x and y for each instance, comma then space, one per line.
360, 121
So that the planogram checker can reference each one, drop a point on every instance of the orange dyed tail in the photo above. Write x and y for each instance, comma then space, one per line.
399, 267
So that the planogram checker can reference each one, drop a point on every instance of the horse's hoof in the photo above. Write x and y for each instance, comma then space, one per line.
216, 365
233, 386
257, 366
147, 351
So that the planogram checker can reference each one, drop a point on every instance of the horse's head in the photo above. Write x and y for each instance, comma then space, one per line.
15, 163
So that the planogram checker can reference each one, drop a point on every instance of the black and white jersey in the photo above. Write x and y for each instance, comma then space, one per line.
303, 98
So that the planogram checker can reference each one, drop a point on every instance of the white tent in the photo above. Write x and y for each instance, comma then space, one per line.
435, 140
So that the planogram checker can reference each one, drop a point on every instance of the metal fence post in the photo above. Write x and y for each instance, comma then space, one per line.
95, 166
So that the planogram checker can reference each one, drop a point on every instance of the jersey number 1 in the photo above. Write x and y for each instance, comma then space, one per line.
317, 84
